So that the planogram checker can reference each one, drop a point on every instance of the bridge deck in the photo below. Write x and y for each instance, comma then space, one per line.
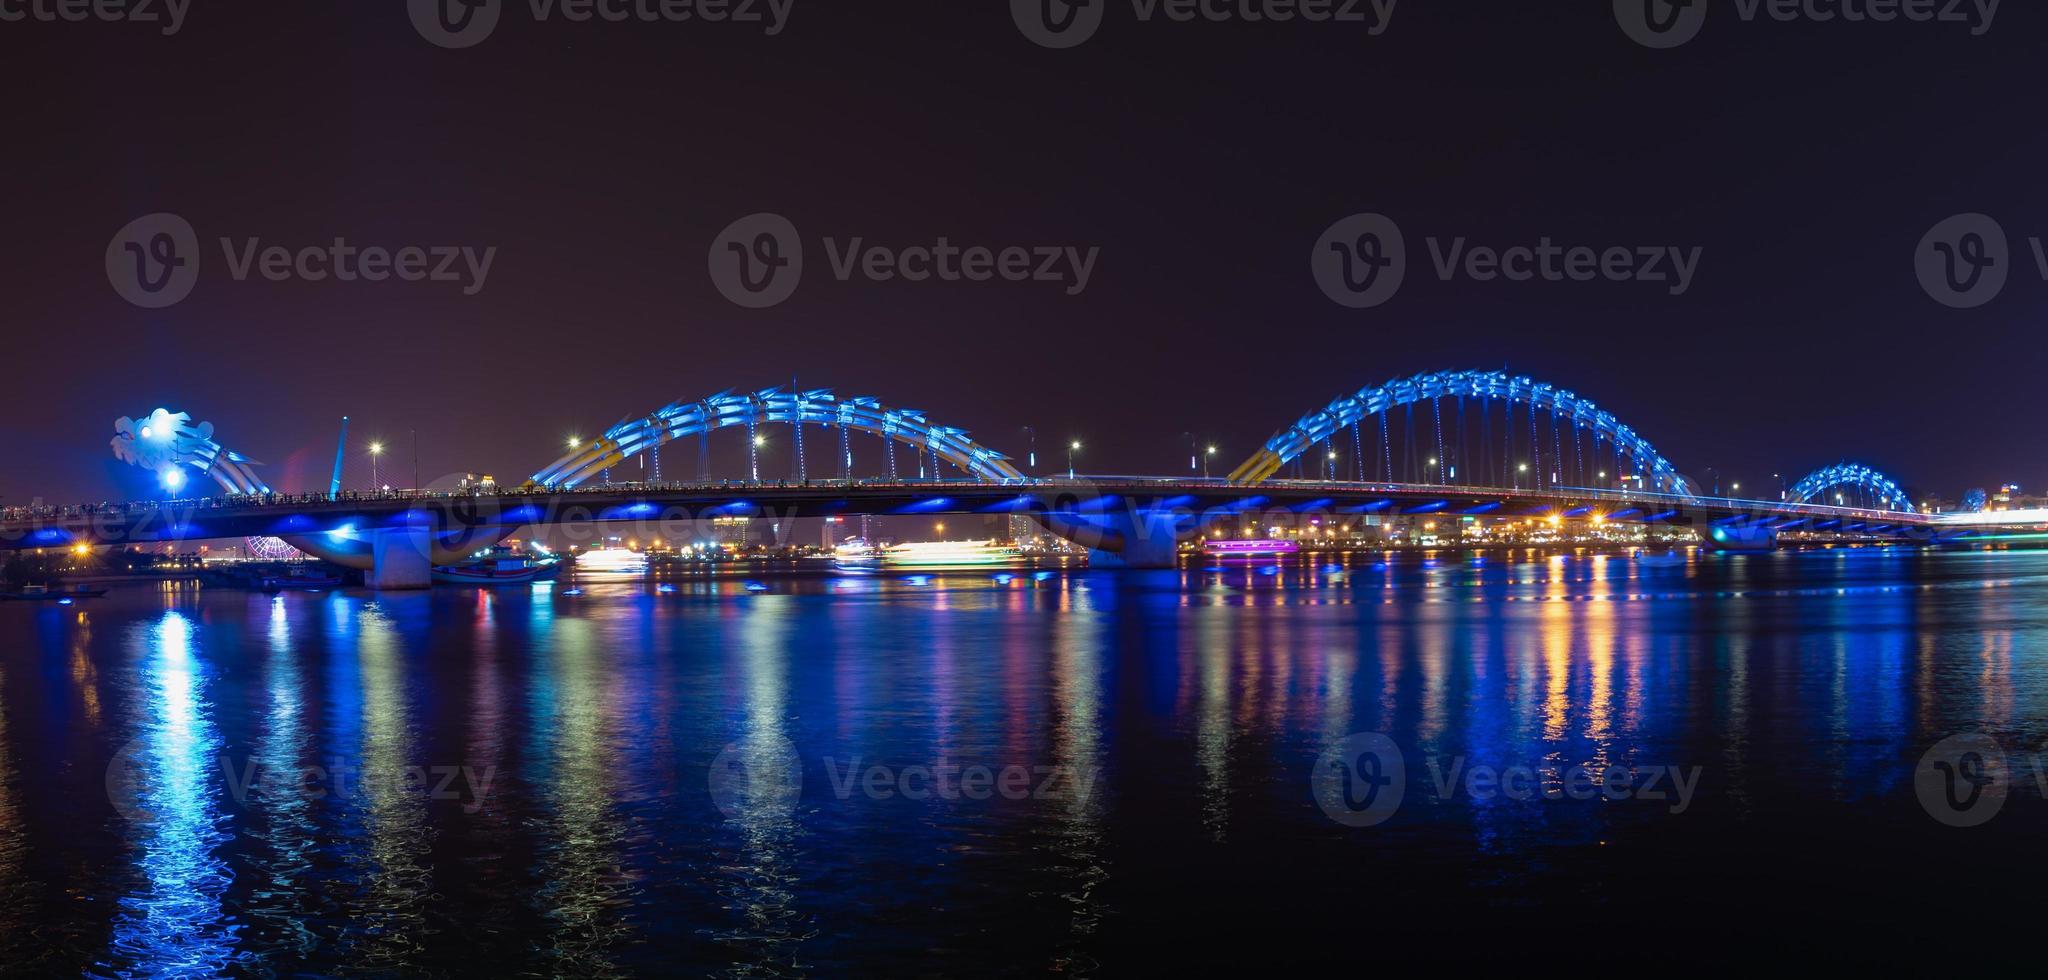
288, 515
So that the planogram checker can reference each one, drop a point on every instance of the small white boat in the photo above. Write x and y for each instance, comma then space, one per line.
499, 567
950, 554
623, 560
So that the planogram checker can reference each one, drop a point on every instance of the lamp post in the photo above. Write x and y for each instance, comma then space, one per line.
755, 457
376, 452
1072, 448
1205, 461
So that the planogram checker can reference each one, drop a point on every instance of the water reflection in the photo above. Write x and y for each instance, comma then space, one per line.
584, 897
280, 802
1189, 708
759, 879
166, 785
1077, 750
16, 892
1215, 731
388, 800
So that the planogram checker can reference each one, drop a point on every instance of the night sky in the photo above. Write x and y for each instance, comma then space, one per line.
1203, 160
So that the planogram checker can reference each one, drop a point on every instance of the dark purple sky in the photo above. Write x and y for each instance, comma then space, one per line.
1204, 160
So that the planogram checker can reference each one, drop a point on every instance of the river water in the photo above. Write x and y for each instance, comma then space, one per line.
1519, 757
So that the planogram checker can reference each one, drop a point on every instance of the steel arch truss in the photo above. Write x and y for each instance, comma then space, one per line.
814, 407
1349, 410
1819, 482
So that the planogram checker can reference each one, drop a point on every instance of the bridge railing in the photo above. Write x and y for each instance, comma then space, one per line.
1093, 482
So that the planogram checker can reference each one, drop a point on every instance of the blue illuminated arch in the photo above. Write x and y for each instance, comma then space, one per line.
1819, 482
813, 407
1566, 406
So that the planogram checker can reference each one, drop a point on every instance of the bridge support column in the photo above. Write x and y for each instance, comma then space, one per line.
1152, 553
1124, 538
401, 559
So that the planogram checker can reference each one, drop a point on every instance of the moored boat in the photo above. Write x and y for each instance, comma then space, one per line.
949, 554
499, 567
43, 593
297, 578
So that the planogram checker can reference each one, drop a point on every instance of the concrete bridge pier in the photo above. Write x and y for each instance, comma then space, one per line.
401, 559
398, 558
1130, 538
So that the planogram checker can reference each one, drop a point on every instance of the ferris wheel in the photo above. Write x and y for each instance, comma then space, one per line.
272, 549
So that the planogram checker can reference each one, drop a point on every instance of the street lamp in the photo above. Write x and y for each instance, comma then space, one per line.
1072, 448
1205, 461
376, 451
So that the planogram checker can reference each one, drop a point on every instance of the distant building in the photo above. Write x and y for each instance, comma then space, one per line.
1022, 532
732, 532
